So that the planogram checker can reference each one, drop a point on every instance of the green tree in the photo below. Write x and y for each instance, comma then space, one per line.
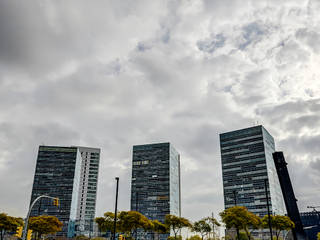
194, 237
176, 223
159, 228
106, 222
318, 235
8, 223
130, 221
201, 227
241, 219
43, 225
278, 223
214, 222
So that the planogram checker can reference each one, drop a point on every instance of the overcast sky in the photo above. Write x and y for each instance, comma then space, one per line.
112, 74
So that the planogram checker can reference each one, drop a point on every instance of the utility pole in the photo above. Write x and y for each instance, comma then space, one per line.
267, 198
115, 211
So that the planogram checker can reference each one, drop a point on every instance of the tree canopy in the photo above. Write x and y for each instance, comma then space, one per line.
105, 223
132, 220
159, 227
176, 223
201, 227
8, 223
278, 223
43, 225
194, 237
241, 219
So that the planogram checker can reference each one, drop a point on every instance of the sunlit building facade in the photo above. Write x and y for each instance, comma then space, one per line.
70, 174
155, 186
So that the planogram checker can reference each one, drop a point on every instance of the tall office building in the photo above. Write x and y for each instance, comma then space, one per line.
70, 174
247, 161
155, 186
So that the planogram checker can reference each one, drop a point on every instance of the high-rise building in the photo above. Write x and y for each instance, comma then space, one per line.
247, 161
70, 174
155, 186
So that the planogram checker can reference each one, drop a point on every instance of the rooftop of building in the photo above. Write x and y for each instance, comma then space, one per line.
242, 131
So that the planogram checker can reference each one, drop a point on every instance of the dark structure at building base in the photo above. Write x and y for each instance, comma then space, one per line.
311, 223
288, 195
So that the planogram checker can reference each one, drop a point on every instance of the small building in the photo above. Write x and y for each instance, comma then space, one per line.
311, 223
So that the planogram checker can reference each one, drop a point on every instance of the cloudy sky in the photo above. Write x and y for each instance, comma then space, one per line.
111, 74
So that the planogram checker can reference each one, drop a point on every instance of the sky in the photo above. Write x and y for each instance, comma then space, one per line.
112, 74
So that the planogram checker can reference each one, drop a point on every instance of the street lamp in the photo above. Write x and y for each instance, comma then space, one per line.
115, 211
267, 198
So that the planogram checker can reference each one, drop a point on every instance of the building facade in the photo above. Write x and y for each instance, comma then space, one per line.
70, 174
247, 161
155, 184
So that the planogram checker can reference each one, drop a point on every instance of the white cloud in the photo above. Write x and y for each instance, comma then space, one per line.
117, 73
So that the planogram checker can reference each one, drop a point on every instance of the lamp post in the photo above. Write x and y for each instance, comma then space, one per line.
267, 198
25, 230
115, 211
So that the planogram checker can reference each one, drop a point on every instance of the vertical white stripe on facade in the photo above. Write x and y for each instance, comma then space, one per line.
75, 189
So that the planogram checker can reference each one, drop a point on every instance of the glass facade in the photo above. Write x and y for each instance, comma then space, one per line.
155, 186
247, 161
70, 174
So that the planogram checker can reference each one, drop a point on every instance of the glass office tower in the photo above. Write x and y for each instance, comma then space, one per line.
155, 186
70, 174
247, 161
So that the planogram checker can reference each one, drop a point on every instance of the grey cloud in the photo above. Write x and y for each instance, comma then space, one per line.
114, 74
210, 45
310, 38
252, 33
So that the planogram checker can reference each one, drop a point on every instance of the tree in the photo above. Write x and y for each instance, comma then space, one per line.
43, 225
201, 227
278, 223
130, 221
176, 223
194, 237
241, 219
214, 222
106, 222
318, 235
8, 223
159, 227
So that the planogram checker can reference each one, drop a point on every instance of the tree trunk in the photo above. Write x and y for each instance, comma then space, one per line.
2, 233
238, 233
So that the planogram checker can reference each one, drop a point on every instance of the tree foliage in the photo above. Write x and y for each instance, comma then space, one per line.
213, 222
176, 223
43, 225
159, 227
106, 222
132, 220
194, 237
201, 227
318, 235
241, 219
278, 223
8, 223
